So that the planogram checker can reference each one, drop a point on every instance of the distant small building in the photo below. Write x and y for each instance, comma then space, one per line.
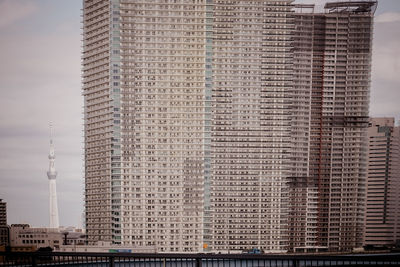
4, 235
24, 235
3, 213
4, 229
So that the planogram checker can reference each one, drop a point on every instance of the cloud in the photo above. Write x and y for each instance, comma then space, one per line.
12, 11
388, 17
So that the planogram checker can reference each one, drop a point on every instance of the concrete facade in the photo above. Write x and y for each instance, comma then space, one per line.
4, 229
3, 213
382, 216
332, 68
225, 125
104, 247
23, 235
187, 123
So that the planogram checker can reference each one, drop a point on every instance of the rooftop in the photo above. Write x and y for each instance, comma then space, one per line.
351, 7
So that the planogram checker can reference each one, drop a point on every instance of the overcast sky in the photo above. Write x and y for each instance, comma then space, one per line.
40, 83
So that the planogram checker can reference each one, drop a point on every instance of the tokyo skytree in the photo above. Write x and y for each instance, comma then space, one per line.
51, 174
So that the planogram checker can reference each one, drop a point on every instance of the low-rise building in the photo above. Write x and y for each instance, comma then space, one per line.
64, 239
103, 246
4, 235
24, 235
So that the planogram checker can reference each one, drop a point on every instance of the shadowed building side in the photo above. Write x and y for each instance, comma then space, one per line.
332, 68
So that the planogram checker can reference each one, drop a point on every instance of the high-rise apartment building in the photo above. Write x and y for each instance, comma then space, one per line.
332, 66
187, 122
382, 214
251, 85
216, 125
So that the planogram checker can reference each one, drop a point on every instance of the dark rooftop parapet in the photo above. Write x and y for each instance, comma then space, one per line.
351, 7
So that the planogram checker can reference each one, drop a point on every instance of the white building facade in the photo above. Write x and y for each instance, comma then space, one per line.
187, 123
226, 125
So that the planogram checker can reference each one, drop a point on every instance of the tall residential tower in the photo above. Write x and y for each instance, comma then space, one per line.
382, 214
220, 125
187, 122
331, 74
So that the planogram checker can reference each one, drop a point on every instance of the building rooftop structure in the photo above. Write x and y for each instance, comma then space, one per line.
366, 6
352, 6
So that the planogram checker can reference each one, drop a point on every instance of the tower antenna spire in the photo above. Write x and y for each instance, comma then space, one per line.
51, 132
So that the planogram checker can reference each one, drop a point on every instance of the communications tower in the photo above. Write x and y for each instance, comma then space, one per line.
51, 174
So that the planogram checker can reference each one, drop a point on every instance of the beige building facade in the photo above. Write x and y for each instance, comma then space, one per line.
186, 123
23, 235
105, 247
216, 125
251, 81
382, 216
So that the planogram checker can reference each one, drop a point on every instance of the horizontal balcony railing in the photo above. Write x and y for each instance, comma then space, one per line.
127, 258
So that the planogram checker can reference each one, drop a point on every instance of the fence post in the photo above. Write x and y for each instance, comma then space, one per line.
198, 262
296, 263
34, 263
111, 261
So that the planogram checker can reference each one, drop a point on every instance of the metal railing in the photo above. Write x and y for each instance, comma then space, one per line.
80, 259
